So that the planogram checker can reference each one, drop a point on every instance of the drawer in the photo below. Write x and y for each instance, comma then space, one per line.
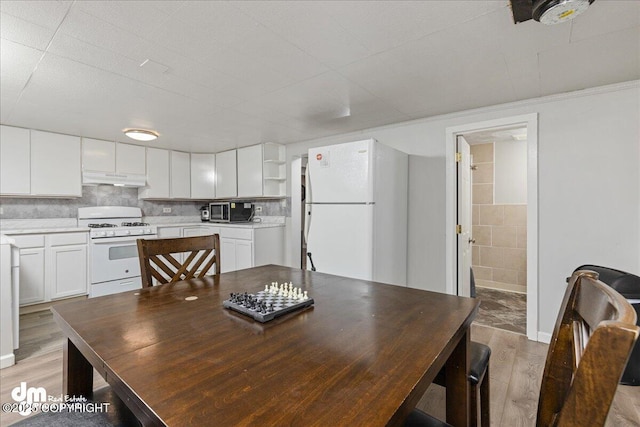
199, 231
236, 233
61, 239
29, 241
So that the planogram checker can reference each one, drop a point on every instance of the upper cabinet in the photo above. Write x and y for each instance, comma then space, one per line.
157, 175
180, 175
130, 159
203, 176
36, 163
226, 177
250, 171
15, 163
168, 175
55, 165
254, 171
108, 162
98, 155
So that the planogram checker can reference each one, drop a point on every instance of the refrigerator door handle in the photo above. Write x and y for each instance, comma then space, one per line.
307, 223
308, 201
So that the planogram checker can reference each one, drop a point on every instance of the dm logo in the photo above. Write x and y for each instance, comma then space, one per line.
30, 396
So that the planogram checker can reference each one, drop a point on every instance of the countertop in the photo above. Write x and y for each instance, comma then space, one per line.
69, 225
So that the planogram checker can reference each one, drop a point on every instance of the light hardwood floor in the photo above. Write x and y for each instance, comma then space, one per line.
516, 370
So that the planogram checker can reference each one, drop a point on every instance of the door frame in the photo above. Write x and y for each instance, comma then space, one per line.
451, 273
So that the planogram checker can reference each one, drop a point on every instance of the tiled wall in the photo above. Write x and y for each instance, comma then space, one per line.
108, 195
499, 253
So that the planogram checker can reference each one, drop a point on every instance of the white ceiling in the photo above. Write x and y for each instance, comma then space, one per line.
221, 75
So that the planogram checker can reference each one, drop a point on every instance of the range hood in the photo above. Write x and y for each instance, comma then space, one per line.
118, 179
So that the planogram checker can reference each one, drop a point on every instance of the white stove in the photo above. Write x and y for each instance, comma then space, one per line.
114, 253
114, 221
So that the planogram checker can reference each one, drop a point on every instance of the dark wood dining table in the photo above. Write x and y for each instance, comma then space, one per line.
363, 354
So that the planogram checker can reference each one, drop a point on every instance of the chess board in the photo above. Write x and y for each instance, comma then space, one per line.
264, 306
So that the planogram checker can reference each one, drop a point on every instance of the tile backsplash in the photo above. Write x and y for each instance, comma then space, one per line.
108, 195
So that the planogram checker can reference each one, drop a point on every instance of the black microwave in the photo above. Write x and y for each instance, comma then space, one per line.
231, 212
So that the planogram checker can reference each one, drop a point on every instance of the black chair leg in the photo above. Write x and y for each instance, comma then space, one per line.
473, 407
484, 400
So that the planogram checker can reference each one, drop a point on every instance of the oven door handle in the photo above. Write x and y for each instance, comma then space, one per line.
128, 239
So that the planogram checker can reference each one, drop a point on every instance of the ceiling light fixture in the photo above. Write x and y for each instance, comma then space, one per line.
550, 12
141, 134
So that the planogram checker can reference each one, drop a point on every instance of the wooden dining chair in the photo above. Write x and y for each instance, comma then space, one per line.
593, 337
158, 258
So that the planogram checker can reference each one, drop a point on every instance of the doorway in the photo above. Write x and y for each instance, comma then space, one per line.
495, 226
298, 197
504, 268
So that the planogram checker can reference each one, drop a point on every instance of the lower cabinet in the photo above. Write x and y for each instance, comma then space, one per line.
52, 266
235, 254
31, 275
240, 246
68, 271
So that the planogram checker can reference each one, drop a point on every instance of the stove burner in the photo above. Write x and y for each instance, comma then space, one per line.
103, 225
134, 224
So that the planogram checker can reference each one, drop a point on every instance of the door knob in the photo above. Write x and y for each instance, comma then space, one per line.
472, 241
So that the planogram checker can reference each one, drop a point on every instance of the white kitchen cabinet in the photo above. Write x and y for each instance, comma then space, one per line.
15, 163
130, 159
274, 170
236, 248
244, 254
52, 266
226, 176
55, 165
98, 155
108, 162
250, 171
112, 157
180, 175
157, 175
203, 176
202, 230
68, 270
227, 255
32, 276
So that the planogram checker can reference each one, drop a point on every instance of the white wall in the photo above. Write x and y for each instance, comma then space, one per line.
588, 189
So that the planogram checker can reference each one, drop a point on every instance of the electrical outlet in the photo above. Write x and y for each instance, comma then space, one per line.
166, 210
258, 209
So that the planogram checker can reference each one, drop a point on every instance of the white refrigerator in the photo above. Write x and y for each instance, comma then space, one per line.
356, 211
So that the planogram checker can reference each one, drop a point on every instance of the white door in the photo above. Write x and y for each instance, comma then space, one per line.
227, 255
15, 163
341, 173
180, 175
32, 276
48, 152
340, 240
463, 166
250, 171
226, 177
203, 176
68, 271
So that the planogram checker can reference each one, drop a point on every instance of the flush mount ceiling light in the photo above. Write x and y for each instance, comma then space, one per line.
551, 12
141, 134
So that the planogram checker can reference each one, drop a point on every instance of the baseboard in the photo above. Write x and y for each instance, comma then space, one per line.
501, 286
544, 337
7, 360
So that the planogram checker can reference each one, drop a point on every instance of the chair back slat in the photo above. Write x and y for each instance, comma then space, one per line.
157, 260
591, 343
